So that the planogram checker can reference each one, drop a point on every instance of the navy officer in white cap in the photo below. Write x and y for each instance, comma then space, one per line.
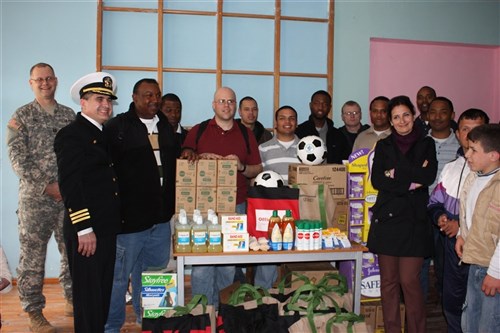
90, 192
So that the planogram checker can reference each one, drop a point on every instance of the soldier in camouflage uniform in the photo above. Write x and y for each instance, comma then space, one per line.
30, 140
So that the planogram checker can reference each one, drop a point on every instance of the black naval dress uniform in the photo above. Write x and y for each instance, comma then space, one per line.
89, 188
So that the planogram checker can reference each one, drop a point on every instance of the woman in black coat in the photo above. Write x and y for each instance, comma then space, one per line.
404, 166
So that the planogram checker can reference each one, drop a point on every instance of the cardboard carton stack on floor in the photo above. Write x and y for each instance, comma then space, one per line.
206, 184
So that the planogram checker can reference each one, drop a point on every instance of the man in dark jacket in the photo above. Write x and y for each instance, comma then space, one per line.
144, 149
171, 107
320, 125
89, 189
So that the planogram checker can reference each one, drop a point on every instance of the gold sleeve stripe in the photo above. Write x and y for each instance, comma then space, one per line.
81, 211
75, 221
80, 216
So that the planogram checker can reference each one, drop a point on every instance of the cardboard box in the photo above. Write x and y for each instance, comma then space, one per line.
359, 165
340, 217
313, 270
379, 323
185, 173
226, 199
369, 311
233, 223
185, 198
159, 290
206, 173
235, 242
227, 171
370, 275
333, 175
206, 198
356, 212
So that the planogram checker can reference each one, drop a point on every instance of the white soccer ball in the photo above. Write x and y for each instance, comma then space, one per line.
269, 179
311, 150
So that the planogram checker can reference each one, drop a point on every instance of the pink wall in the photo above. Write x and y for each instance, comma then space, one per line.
467, 74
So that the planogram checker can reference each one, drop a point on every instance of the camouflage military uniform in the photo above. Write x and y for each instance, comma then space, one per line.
30, 141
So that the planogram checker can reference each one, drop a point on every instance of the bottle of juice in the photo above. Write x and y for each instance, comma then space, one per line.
214, 235
274, 232
182, 235
199, 235
288, 228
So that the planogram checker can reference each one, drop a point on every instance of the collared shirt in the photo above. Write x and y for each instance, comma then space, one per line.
99, 126
368, 138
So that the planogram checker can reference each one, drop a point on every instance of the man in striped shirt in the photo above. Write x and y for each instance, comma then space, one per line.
276, 154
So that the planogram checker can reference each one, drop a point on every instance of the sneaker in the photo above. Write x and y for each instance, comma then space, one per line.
39, 324
68, 309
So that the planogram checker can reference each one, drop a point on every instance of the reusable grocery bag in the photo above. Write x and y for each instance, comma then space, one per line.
250, 310
261, 201
195, 317
316, 203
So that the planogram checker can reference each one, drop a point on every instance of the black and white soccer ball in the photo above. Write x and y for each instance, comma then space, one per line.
269, 179
311, 150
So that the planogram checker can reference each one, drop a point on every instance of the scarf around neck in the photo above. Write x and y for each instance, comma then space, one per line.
405, 142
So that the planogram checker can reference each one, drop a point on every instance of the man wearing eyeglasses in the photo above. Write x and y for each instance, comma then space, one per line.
223, 138
30, 138
351, 116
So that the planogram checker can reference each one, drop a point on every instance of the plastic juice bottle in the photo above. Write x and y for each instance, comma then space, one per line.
274, 232
288, 228
214, 235
199, 235
182, 235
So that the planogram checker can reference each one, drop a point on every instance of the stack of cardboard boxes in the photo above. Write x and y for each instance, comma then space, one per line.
206, 184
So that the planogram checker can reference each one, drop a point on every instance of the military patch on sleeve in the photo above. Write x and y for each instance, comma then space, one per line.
13, 124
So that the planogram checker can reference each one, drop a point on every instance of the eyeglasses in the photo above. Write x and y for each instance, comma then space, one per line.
40, 80
225, 101
351, 113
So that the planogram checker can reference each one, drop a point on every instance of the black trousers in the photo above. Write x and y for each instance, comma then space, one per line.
92, 282
454, 286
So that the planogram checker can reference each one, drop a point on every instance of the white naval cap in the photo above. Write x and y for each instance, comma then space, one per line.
98, 83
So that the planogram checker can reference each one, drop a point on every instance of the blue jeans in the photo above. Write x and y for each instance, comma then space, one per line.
148, 261
146, 249
481, 313
210, 280
265, 275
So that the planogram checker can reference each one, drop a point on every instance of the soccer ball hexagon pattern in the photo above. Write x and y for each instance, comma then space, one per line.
269, 179
311, 150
